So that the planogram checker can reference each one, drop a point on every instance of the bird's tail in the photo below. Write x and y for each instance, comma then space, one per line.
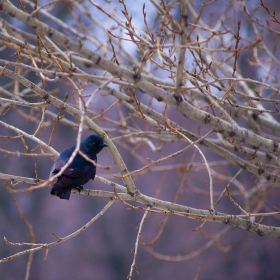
64, 195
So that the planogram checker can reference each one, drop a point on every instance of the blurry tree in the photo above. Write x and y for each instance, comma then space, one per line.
185, 95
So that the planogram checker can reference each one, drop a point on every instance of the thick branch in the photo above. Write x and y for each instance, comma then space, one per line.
219, 125
172, 208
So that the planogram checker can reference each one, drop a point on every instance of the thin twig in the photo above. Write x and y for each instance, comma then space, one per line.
133, 265
60, 240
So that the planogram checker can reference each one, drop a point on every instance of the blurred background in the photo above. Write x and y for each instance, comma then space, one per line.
105, 249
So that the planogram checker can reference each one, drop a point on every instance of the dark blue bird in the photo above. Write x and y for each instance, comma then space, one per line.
80, 170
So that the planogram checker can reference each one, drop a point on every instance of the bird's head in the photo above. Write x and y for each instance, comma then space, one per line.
93, 144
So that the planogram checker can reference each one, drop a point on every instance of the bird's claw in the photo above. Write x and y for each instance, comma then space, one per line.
80, 188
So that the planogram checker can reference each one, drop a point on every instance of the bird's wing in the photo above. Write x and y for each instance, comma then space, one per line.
72, 177
78, 176
57, 167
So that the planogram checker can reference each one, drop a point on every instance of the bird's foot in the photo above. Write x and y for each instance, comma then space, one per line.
80, 188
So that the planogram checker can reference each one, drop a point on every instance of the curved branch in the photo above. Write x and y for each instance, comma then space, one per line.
77, 114
167, 207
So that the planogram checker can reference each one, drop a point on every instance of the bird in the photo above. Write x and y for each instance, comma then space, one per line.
80, 170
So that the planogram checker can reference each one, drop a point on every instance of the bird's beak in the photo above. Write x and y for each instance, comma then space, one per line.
103, 145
